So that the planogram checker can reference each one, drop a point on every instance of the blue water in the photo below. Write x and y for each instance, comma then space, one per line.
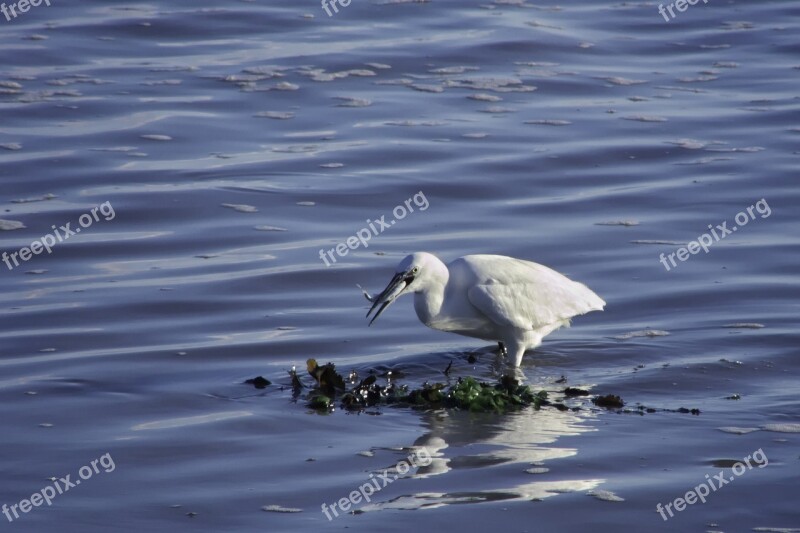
234, 142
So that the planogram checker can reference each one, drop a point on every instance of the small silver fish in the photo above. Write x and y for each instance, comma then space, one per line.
366, 294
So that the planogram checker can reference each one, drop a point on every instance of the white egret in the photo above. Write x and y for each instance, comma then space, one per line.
490, 297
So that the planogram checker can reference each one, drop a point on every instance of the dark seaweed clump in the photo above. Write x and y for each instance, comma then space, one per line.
466, 394
259, 382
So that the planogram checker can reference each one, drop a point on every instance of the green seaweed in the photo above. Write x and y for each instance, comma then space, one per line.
320, 402
466, 394
473, 395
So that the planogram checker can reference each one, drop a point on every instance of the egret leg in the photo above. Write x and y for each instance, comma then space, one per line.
517, 348
502, 348
518, 353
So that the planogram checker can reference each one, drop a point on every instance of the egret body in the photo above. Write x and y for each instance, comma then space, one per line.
490, 297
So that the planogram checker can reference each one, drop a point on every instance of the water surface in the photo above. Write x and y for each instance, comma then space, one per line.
235, 141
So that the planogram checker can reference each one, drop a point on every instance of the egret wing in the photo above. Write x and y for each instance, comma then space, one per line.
525, 295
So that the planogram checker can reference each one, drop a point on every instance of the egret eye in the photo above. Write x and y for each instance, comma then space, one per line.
415, 270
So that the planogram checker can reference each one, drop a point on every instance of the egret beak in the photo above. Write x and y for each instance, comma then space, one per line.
390, 293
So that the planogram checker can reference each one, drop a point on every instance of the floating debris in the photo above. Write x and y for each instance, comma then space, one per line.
549, 122
645, 118
270, 228
537, 470
397, 81
652, 241
497, 109
744, 325
746, 149
10, 225
242, 208
447, 370
610, 401
161, 82
618, 223
265, 72
615, 80
275, 115
412, 123
605, 495
689, 144
43, 198
426, 88
696, 79
737, 430
572, 392
484, 97
501, 85
360, 72
155, 137
782, 428
297, 386
537, 24
642, 333
328, 380
280, 509
452, 70
347, 101
284, 86
259, 382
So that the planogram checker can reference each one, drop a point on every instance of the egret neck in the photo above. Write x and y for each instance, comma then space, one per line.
429, 296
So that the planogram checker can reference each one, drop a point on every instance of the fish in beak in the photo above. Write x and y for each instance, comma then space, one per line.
399, 282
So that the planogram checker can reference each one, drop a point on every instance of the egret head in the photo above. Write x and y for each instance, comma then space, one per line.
409, 276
